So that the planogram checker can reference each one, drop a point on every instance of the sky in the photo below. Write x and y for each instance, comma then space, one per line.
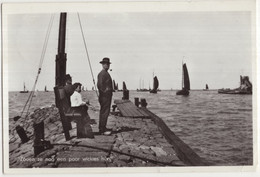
216, 46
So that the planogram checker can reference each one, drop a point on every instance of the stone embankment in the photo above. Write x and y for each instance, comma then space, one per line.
134, 142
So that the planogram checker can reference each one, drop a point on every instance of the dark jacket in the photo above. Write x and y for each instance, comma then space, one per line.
69, 90
104, 84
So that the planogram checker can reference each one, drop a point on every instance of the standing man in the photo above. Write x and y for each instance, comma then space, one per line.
105, 89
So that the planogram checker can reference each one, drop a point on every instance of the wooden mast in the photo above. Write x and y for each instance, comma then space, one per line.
61, 57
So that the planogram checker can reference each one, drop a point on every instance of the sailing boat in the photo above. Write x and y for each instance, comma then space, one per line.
24, 89
245, 87
185, 82
155, 85
142, 89
45, 89
207, 88
115, 88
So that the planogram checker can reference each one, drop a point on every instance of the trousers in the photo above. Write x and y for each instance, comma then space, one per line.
105, 104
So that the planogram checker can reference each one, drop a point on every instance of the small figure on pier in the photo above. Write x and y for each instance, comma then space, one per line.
105, 89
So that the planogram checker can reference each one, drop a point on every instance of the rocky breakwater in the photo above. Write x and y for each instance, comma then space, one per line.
133, 143
22, 154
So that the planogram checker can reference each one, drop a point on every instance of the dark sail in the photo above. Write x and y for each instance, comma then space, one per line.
186, 77
155, 83
114, 85
207, 87
45, 89
124, 86
185, 82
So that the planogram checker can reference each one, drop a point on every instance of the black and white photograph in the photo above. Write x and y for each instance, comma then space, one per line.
119, 85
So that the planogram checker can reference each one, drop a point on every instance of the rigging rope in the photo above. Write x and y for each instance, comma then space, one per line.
29, 100
87, 54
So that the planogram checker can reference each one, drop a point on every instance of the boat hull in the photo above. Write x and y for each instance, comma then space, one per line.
142, 90
24, 91
153, 91
230, 91
183, 92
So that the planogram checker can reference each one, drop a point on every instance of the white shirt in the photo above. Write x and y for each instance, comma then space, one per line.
76, 99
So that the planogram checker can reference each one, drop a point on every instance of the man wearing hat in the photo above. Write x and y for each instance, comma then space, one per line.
105, 89
69, 88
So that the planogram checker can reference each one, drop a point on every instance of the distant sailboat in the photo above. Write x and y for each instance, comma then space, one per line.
45, 89
155, 85
142, 89
185, 82
124, 86
115, 86
245, 87
24, 89
207, 88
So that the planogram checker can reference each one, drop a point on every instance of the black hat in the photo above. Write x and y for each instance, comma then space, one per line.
105, 60
67, 77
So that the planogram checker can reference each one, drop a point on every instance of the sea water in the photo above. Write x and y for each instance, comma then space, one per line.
218, 127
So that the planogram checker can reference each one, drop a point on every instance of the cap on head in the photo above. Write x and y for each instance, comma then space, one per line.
105, 61
67, 77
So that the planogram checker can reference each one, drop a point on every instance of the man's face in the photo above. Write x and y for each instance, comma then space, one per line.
106, 66
69, 81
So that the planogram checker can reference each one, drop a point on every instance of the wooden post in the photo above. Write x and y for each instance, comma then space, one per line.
125, 95
61, 57
22, 134
38, 138
114, 108
137, 102
143, 103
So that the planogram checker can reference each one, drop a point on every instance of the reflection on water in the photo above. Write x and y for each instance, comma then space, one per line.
217, 127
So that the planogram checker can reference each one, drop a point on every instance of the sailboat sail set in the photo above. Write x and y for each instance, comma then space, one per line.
185, 82
155, 85
206, 88
45, 89
24, 89
245, 87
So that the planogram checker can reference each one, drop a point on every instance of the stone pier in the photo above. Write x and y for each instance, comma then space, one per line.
135, 142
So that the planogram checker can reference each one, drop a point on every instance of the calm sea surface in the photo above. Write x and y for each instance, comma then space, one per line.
217, 127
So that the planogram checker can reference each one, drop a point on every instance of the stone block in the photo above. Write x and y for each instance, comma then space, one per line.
13, 147
124, 158
158, 151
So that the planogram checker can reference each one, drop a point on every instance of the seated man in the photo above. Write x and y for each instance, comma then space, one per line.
81, 106
69, 89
